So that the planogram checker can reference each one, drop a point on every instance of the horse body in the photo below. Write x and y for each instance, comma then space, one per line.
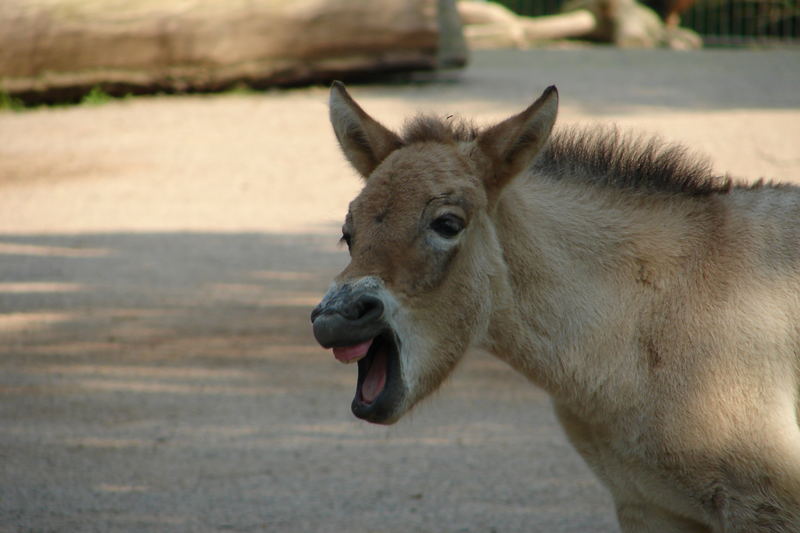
667, 331
656, 305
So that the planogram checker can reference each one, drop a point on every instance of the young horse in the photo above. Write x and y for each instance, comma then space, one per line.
658, 305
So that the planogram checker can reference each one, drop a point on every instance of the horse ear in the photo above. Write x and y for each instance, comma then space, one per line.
511, 145
364, 141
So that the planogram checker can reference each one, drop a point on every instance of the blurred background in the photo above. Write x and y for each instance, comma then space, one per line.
171, 196
719, 22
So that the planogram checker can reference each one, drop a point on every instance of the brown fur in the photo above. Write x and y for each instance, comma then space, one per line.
658, 305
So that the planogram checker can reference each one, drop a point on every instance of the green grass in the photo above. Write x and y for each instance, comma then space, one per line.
96, 96
9, 103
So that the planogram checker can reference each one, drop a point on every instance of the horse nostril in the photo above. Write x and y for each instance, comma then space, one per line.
371, 307
365, 307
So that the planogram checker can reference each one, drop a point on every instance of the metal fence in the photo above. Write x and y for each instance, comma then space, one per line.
720, 22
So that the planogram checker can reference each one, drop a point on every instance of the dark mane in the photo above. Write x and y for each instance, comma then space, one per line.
606, 157
601, 156
447, 130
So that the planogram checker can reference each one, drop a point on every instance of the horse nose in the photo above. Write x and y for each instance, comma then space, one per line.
366, 307
316, 312
345, 322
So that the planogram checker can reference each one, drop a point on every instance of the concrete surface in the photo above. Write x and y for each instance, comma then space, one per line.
158, 261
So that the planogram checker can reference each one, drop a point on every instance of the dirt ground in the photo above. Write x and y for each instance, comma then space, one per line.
158, 261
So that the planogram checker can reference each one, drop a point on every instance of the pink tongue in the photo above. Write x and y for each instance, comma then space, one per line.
376, 378
349, 354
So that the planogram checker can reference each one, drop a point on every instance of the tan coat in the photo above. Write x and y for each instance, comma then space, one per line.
657, 304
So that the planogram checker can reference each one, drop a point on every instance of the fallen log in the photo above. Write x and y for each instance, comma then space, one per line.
56, 49
624, 23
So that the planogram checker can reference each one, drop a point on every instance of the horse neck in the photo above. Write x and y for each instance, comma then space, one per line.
581, 269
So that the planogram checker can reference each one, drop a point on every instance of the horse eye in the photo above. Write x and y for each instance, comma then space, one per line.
346, 238
448, 225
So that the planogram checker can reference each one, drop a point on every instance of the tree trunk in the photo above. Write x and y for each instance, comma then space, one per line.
561, 26
625, 23
47, 46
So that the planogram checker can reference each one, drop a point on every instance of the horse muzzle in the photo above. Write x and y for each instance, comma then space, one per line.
352, 321
347, 317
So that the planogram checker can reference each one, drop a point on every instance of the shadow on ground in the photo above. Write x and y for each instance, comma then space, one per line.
169, 382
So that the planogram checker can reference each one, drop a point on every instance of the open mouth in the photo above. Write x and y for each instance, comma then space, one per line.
379, 387
373, 370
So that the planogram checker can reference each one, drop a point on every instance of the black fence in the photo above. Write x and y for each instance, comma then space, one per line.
720, 22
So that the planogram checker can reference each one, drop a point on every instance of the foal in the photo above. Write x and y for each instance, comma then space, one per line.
658, 305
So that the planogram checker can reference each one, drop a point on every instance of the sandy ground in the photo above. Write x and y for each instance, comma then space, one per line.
158, 261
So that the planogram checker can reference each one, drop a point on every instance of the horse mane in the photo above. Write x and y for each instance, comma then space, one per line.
601, 156
446, 130
608, 158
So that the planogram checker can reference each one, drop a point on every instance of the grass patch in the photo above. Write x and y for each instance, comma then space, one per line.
9, 103
96, 96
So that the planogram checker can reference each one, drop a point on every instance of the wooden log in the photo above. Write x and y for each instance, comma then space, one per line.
47, 46
562, 26
625, 23
490, 25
